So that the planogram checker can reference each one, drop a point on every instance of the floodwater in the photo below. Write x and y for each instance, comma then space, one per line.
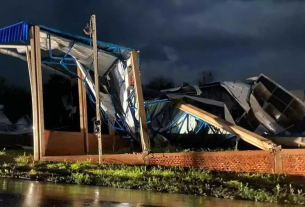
15, 193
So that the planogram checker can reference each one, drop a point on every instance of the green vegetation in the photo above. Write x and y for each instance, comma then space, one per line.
23, 160
2, 153
256, 187
9, 156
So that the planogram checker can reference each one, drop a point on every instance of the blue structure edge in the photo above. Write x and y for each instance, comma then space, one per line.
14, 33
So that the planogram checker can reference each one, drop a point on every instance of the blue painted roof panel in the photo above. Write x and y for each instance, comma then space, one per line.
14, 33
118, 51
20, 32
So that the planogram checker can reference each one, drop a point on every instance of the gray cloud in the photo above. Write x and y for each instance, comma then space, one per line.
178, 39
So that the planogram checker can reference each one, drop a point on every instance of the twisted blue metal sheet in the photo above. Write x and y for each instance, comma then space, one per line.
14, 33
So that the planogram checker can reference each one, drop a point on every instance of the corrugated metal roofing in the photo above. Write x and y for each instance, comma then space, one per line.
20, 32
14, 33
80, 51
62, 41
118, 51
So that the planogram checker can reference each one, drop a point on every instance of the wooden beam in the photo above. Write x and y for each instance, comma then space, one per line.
97, 88
13, 46
33, 82
140, 103
82, 97
244, 134
39, 91
28, 59
278, 162
128, 63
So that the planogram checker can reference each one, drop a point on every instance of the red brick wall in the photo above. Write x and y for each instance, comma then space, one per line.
293, 161
239, 161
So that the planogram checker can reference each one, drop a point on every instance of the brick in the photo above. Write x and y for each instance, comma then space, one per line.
236, 161
293, 161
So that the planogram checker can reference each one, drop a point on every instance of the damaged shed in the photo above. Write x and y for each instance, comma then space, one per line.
246, 110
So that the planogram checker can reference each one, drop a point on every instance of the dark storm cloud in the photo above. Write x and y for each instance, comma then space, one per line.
180, 38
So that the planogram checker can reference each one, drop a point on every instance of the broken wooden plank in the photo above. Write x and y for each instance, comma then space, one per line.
97, 87
33, 83
39, 92
82, 97
244, 134
140, 102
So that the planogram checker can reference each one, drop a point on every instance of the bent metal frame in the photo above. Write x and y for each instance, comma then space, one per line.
34, 62
33, 56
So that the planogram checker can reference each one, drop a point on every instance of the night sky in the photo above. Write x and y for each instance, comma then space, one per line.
180, 38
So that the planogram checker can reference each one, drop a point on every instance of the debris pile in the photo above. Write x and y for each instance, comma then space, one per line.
260, 105
260, 109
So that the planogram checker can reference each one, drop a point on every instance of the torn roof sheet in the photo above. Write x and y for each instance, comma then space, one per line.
19, 32
14, 33
58, 43
265, 107
80, 51
116, 50
60, 49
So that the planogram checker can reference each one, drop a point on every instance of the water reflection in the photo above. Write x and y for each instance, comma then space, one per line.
14, 193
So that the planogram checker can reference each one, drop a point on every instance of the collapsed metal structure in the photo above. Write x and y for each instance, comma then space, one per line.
71, 55
248, 111
260, 105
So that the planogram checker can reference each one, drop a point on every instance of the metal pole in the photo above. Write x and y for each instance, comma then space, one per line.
97, 89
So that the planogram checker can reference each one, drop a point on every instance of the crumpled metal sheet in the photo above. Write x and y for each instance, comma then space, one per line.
284, 108
269, 109
183, 89
299, 94
83, 53
105, 99
264, 118
120, 76
198, 91
239, 91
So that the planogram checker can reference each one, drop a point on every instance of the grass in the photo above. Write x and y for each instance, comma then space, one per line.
256, 187
23, 160
3, 153
14, 153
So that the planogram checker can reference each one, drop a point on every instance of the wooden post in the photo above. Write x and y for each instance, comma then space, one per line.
140, 105
28, 59
33, 82
97, 88
278, 162
34, 64
82, 97
39, 92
